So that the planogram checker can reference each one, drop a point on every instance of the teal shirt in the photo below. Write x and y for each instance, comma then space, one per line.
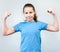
30, 35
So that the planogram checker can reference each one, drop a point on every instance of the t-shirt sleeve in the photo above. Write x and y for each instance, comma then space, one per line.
44, 26
17, 27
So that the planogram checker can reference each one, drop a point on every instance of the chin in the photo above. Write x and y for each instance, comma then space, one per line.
28, 19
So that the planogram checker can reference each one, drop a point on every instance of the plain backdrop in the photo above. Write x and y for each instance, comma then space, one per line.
11, 43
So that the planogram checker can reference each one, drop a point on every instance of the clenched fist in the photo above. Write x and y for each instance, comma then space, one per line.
51, 11
7, 14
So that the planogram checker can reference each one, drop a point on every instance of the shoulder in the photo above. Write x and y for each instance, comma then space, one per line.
42, 23
20, 23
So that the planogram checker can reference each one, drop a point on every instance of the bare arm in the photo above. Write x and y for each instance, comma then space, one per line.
7, 30
55, 26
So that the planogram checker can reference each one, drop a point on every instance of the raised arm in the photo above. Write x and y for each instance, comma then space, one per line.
6, 30
55, 26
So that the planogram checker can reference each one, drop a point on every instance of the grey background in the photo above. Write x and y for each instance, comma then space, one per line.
11, 43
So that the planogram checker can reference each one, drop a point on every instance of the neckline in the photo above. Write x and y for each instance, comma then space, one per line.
30, 21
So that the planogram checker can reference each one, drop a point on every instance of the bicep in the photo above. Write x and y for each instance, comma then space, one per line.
51, 28
10, 31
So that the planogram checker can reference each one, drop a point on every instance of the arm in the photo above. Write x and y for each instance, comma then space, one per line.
55, 26
7, 30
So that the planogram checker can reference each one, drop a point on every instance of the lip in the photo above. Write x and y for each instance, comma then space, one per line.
29, 17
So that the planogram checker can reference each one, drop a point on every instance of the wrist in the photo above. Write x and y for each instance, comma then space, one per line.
54, 14
4, 19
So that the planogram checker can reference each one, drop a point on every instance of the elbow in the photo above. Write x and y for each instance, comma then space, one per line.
5, 34
56, 29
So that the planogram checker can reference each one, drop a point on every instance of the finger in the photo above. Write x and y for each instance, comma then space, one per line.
9, 14
49, 11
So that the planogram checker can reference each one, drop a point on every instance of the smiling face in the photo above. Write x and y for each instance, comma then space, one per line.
29, 13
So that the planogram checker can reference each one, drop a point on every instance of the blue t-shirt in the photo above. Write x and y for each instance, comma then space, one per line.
30, 35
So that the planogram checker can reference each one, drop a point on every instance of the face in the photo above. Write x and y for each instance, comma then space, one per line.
29, 13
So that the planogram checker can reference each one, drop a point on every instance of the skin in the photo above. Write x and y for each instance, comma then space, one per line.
29, 15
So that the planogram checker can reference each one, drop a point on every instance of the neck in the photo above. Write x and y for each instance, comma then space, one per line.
30, 20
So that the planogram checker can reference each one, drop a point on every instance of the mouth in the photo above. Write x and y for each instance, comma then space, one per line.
29, 17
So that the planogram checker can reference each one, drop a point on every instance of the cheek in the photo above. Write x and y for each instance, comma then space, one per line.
25, 15
32, 15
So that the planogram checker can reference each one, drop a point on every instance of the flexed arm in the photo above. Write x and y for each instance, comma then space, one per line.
55, 26
7, 30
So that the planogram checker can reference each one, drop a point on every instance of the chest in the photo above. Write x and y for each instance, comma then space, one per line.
30, 28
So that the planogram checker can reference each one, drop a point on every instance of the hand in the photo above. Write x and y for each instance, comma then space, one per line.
51, 11
7, 14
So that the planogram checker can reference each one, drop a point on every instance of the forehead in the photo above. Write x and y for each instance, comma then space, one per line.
26, 9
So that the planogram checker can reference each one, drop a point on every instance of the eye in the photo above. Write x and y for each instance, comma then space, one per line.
26, 12
30, 12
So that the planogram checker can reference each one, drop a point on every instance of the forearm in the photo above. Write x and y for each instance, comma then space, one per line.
56, 23
5, 28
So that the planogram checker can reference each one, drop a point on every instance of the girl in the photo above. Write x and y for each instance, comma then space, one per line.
30, 29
